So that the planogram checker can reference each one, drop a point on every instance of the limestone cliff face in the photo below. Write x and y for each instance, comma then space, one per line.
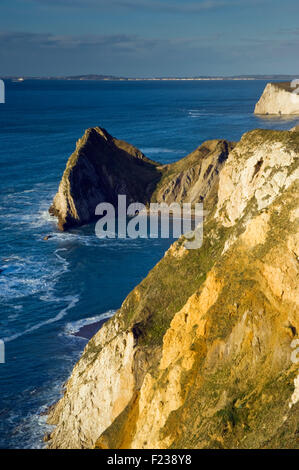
103, 167
199, 355
193, 178
278, 98
100, 387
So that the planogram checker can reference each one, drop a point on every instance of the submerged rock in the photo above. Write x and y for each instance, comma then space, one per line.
278, 98
102, 167
200, 353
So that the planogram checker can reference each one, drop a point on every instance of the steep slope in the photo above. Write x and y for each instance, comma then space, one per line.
199, 355
278, 98
192, 178
103, 167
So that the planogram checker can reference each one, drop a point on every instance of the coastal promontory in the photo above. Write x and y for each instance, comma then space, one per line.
103, 167
280, 98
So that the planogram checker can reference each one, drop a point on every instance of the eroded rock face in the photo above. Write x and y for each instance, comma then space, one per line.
199, 355
260, 177
192, 178
278, 98
100, 388
103, 167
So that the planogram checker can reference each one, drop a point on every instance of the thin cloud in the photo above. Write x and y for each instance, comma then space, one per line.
24, 53
15, 39
290, 31
63, 41
163, 6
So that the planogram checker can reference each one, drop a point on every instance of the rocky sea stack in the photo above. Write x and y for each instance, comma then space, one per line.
278, 98
201, 352
102, 167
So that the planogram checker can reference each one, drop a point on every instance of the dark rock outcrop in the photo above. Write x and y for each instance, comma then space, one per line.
102, 167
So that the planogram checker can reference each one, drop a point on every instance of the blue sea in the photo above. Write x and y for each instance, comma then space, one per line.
48, 289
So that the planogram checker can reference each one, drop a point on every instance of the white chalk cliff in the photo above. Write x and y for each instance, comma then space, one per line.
279, 99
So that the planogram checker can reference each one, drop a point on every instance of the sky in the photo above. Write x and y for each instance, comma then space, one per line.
149, 38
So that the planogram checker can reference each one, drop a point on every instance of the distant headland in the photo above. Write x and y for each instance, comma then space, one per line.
279, 98
166, 78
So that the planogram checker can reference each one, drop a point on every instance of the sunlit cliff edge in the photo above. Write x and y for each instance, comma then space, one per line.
200, 353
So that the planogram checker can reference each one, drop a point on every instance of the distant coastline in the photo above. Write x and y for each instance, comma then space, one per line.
94, 77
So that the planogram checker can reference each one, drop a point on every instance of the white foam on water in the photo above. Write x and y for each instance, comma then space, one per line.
35, 426
93, 241
43, 217
75, 326
43, 283
28, 430
23, 276
88, 240
194, 113
27, 208
72, 302
13, 316
64, 262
